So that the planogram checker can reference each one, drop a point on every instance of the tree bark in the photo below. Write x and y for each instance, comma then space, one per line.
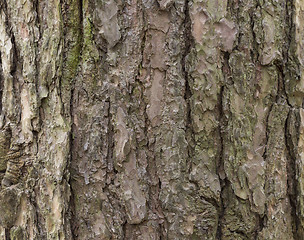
154, 119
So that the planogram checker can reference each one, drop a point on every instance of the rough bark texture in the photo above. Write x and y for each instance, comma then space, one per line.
152, 119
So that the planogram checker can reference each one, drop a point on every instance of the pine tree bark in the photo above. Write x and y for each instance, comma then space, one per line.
155, 119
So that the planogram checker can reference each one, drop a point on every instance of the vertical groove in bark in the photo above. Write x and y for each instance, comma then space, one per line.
291, 169
1, 83
293, 123
188, 44
73, 37
222, 128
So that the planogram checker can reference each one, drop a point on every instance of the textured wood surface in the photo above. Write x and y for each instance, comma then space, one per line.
151, 119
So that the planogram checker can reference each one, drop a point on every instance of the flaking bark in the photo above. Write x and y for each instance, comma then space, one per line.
153, 119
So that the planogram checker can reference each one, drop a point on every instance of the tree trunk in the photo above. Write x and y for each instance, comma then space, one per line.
153, 119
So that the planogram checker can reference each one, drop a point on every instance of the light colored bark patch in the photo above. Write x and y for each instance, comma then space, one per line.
227, 33
198, 25
26, 115
122, 148
134, 198
106, 20
156, 96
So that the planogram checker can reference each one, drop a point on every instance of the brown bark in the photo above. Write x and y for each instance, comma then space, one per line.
152, 119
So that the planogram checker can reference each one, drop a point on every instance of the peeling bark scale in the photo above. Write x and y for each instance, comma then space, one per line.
152, 119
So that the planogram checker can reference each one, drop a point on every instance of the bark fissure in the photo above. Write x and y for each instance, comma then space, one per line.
220, 167
291, 175
71, 209
76, 55
7, 234
1, 83
110, 138
254, 52
188, 45
223, 124
282, 94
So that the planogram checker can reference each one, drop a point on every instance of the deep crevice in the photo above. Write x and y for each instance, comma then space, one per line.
254, 52
188, 45
222, 123
110, 140
290, 33
282, 94
72, 198
79, 43
7, 234
1, 83
292, 155
292, 172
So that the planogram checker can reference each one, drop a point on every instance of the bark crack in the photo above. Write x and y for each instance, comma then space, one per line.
290, 32
254, 52
292, 172
222, 125
189, 43
110, 135
79, 43
1, 83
